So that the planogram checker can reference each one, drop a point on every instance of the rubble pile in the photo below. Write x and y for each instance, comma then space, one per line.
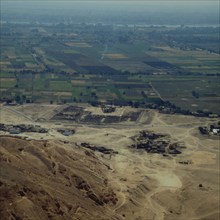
17, 129
71, 113
80, 115
66, 132
156, 143
99, 149
213, 129
108, 108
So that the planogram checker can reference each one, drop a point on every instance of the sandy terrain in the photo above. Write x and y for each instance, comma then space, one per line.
49, 176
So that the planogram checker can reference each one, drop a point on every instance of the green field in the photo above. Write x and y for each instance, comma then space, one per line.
179, 91
50, 64
195, 61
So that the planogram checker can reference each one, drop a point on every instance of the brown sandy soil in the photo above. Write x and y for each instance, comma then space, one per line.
36, 175
51, 180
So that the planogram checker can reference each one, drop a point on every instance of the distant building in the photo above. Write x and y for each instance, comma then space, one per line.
211, 130
108, 108
215, 131
67, 133
11, 103
14, 131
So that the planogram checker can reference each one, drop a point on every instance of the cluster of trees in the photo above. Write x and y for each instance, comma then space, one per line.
19, 99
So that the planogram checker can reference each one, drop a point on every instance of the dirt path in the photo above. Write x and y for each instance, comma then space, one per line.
158, 94
18, 113
206, 216
142, 169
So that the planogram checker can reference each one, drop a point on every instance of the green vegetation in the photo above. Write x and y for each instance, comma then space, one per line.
119, 65
57, 85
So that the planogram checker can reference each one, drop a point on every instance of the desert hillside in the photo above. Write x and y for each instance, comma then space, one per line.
52, 180
76, 162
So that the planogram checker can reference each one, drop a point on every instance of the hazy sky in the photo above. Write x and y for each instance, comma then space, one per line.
152, 2
132, 1
201, 10
133, 4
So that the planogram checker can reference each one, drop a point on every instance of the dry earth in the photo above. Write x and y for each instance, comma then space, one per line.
48, 176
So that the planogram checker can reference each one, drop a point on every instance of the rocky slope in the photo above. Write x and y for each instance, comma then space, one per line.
52, 180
